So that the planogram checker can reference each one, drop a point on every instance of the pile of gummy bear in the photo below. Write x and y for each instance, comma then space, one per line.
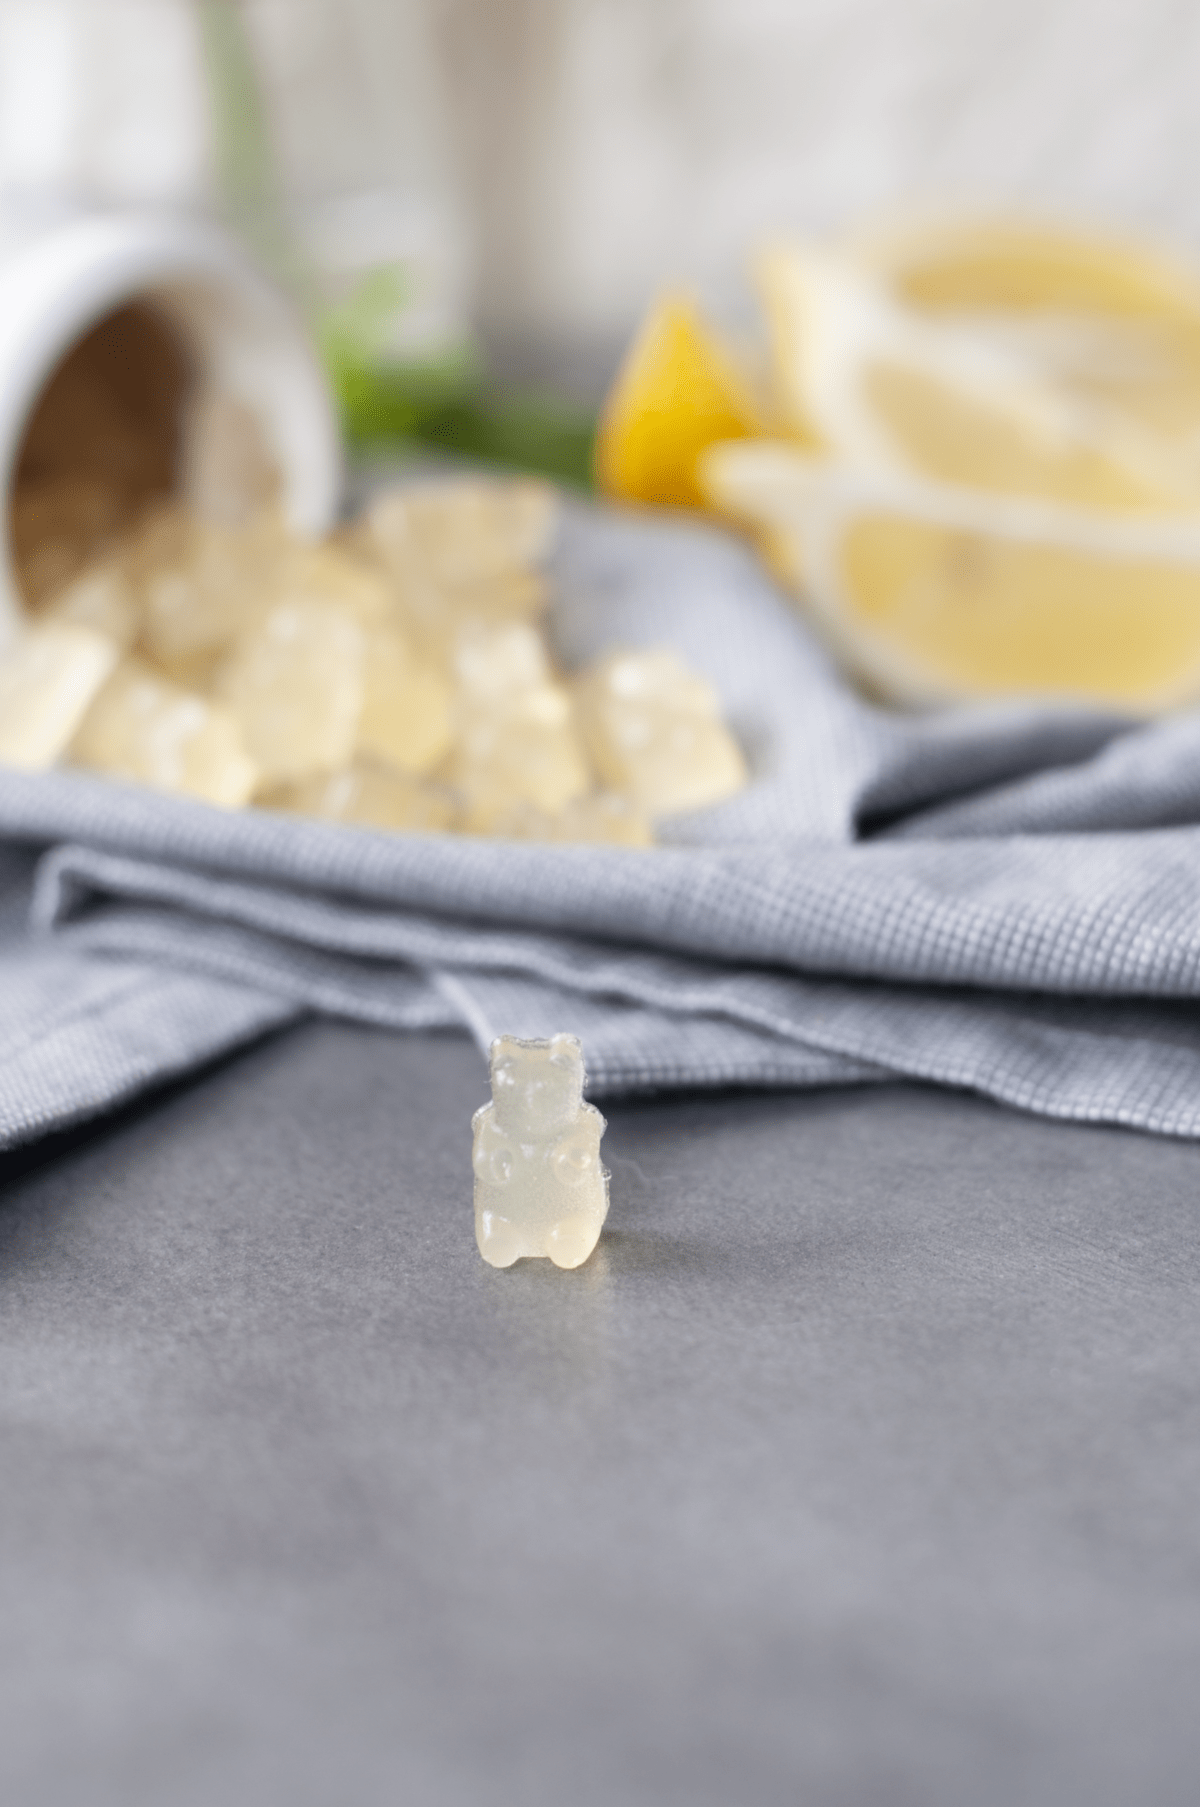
396, 675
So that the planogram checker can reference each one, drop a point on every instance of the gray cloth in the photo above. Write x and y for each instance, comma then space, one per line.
1001, 898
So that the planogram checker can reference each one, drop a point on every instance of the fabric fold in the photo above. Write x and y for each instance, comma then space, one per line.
772, 941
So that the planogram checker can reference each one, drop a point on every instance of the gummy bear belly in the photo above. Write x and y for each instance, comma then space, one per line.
538, 1205
547, 1218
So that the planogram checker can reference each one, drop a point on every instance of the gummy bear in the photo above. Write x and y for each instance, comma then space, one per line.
294, 684
143, 727
516, 742
101, 597
654, 731
49, 677
406, 718
539, 1185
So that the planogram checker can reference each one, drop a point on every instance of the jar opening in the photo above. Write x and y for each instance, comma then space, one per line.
103, 445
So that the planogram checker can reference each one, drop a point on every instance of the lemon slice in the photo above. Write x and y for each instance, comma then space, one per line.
932, 592
1007, 496
1116, 324
961, 401
678, 391
972, 264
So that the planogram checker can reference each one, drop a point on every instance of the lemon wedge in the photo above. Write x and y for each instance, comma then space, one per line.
678, 391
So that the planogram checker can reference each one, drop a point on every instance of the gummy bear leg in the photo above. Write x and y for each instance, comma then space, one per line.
497, 1238
572, 1239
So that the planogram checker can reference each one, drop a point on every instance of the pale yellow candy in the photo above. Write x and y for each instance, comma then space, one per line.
459, 553
540, 1187
462, 552
436, 614
49, 676
102, 597
145, 728
495, 666
416, 603
295, 686
215, 584
401, 648
516, 737
202, 586
370, 797
499, 596
406, 719
654, 730
464, 532
335, 573
528, 753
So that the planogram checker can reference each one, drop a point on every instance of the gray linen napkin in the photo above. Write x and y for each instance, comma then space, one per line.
1004, 898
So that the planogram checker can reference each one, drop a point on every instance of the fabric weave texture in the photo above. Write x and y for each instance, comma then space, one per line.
1004, 898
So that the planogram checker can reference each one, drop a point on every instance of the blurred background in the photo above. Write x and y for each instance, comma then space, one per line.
477, 198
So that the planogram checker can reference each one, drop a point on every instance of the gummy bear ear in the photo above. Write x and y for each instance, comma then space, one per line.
565, 1051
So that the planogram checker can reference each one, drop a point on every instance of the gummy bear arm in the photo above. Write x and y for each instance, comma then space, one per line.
483, 1115
591, 1111
492, 1155
574, 1158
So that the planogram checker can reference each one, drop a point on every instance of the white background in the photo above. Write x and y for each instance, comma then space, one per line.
549, 162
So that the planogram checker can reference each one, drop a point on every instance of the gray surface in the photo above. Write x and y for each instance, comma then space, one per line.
860, 1465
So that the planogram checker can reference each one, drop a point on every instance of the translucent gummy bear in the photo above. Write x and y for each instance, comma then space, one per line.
654, 731
539, 1185
143, 727
516, 742
48, 679
295, 686
406, 719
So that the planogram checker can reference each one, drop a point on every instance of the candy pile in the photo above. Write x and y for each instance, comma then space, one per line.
395, 676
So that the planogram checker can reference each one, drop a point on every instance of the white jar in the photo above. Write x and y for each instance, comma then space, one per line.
173, 278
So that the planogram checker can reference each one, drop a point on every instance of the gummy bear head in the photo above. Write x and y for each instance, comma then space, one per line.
537, 1086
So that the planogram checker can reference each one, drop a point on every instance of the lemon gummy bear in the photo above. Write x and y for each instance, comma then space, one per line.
539, 1185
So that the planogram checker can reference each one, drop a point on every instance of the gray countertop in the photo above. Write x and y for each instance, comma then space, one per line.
860, 1465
